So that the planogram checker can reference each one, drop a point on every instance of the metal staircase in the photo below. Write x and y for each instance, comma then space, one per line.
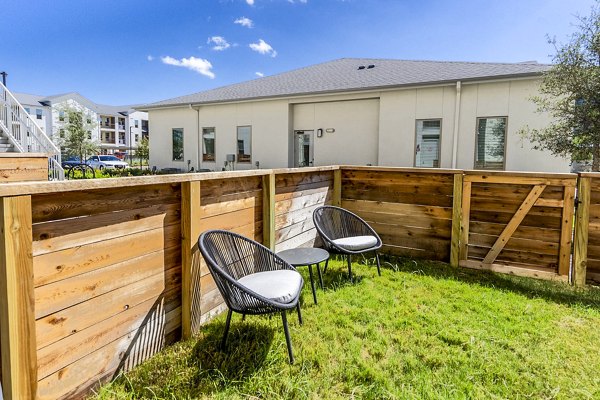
20, 134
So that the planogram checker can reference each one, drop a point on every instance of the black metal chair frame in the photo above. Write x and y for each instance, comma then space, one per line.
229, 257
335, 223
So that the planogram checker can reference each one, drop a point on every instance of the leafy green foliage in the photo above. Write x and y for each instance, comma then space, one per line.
77, 133
570, 93
423, 330
143, 150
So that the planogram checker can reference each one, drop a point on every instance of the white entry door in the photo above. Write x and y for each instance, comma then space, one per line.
303, 148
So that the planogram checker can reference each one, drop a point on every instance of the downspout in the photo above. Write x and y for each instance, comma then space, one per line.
456, 125
198, 159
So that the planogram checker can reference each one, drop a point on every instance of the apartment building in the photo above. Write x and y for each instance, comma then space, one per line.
117, 129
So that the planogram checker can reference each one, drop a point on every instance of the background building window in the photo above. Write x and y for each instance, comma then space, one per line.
61, 116
38, 113
490, 146
177, 144
427, 149
208, 144
27, 110
244, 144
136, 122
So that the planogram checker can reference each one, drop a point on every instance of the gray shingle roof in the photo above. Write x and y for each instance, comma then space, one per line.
103, 109
343, 75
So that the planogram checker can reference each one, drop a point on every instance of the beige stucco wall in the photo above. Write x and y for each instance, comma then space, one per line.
370, 128
161, 145
355, 139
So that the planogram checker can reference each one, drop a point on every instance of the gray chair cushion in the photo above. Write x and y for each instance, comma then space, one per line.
356, 243
282, 286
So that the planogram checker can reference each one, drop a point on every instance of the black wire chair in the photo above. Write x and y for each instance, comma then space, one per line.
231, 257
345, 233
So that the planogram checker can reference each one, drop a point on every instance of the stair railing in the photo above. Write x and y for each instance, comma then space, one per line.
25, 134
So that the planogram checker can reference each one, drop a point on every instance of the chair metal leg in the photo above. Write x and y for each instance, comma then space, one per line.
312, 283
378, 264
350, 267
287, 337
299, 314
227, 324
320, 276
326, 264
243, 317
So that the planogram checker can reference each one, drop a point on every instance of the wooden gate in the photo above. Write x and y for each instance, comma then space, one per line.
517, 223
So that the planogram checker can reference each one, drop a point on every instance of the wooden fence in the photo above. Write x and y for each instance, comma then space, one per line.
98, 275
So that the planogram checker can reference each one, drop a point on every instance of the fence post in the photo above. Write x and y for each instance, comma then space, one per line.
17, 316
456, 219
190, 230
465, 220
566, 230
582, 220
268, 185
337, 188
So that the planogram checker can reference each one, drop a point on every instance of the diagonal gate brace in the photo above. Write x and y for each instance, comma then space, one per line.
514, 223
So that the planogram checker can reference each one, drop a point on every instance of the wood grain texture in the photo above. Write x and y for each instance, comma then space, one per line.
514, 222
268, 214
566, 233
582, 220
17, 323
456, 220
191, 214
20, 169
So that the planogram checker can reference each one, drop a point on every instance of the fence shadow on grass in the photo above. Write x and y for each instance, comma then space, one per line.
248, 344
557, 292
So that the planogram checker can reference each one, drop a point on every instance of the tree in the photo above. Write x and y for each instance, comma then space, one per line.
143, 150
78, 127
570, 94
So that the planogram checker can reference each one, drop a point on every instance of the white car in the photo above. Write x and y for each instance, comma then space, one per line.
101, 162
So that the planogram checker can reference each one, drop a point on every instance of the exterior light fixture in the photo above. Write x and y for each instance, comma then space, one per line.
319, 132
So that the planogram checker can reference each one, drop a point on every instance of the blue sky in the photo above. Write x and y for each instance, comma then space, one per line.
133, 51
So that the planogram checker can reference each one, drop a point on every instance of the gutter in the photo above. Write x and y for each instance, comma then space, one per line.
456, 125
349, 91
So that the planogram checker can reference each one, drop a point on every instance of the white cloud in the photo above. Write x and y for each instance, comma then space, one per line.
219, 42
149, 58
250, 2
243, 21
263, 47
198, 65
259, 74
298, 1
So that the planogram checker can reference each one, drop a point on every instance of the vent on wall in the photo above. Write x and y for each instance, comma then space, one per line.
361, 67
370, 66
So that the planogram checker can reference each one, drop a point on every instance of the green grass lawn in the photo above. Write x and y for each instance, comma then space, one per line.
422, 330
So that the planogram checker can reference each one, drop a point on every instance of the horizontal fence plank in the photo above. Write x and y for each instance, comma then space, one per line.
68, 321
74, 261
511, 270
67, 292
55, 206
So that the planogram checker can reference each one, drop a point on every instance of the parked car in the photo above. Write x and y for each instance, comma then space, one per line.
101, 162
69, 162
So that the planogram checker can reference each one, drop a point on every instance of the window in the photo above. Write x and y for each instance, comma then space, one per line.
27, 110
490, 146
177, 144
38, 113
61, 116
208, 144
61, 133
244, 144
136, 123
427, 149
89, 135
